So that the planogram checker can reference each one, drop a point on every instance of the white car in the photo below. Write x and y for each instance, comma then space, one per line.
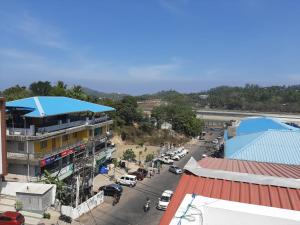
129, 180
215, 141
176, 157
175, 169
166, 160
164, 200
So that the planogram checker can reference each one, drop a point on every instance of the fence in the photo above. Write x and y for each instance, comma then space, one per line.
84, 207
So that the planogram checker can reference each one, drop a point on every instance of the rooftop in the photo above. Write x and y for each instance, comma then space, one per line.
43, 106
249, 192
258, 124
273, 146
258, 168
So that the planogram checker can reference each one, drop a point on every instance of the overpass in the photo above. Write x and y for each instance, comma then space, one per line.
217, 118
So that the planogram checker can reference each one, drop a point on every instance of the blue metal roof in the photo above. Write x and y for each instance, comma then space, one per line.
43, 106
274, 146
259, 124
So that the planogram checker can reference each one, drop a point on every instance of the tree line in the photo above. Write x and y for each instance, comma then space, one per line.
128, 118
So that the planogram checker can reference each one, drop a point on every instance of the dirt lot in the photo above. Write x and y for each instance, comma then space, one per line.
140, 151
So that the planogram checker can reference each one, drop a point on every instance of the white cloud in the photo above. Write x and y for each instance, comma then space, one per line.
41, 33
153, 72
174, 6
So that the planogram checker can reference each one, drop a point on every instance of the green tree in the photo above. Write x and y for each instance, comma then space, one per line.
15, 92
60, 89
40, 88
76, 92
129, 155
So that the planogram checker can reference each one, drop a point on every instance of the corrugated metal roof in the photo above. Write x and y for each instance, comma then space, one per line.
273, 146
266, 195
258, 168
258, 124
43, 106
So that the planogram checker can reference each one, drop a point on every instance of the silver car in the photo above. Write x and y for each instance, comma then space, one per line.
175, 169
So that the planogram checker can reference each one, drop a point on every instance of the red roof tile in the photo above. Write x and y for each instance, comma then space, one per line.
272, 196
258, 168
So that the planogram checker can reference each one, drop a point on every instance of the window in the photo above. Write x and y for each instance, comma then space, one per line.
53, 143
65, 138
4, 218
21, 146
43, 144
75, 135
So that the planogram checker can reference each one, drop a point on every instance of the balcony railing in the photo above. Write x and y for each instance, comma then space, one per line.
32, 131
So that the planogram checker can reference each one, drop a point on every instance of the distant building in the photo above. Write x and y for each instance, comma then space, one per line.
233, 192
56, 134
3, 155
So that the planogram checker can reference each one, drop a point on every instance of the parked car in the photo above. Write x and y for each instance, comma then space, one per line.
111, 189
139, 175
12, 218
215, 141
176, 157
129, 180
175, 169
166, 160
164, 200
144, 171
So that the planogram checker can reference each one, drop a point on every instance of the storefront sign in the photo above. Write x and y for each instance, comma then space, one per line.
66, 152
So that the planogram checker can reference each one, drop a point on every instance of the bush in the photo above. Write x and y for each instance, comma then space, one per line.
46, 215
149, 157
129, 155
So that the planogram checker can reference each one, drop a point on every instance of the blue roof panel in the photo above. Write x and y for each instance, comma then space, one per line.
259, 124
273, 146
44, 106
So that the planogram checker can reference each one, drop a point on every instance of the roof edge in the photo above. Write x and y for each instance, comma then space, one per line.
193, 167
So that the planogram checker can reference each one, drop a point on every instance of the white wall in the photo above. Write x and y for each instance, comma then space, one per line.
209, 211
84, 207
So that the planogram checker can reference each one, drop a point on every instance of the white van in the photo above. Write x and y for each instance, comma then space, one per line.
129, 180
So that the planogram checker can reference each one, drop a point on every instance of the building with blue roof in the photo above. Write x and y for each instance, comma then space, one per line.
49, 133
263, 139
45, 106
273, 146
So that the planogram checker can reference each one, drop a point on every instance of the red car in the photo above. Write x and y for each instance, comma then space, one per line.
11, 218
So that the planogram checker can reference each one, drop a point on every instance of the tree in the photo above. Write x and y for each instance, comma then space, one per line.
129, 155
182, 118
40, 88
77, 92
15, 92
60, 89
127, 110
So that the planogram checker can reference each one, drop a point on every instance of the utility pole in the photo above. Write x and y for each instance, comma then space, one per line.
27, 150
77, 191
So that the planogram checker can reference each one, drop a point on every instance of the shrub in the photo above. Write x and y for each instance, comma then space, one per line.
149, 157
129, 155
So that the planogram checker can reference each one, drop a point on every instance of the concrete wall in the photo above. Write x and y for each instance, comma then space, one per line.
13, 146
84, 207
35, 202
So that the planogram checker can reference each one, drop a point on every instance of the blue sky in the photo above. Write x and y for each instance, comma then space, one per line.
144, 46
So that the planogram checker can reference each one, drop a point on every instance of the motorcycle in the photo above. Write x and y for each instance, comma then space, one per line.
147, 206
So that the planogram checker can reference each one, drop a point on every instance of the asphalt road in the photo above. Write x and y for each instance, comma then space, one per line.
129, 210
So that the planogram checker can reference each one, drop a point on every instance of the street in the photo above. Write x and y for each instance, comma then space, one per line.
129, 211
